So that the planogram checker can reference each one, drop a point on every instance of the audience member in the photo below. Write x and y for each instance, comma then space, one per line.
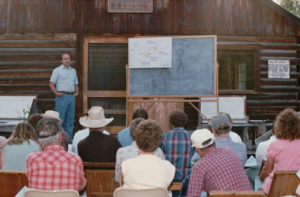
2, 140
131, 151
218, 168
233, 135
33, 120
54, 168
80, 135
64, 134
262, 147
18, 146
124, 136
97, 147
147, 171
284, 153
177, 146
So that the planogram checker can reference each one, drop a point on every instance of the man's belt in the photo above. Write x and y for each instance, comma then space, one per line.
71, 93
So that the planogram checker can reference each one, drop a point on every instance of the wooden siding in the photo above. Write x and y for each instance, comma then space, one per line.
27, 61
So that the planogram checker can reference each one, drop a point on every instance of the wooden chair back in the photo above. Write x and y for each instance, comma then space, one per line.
11, 182
284, 183
236, 194
100, 179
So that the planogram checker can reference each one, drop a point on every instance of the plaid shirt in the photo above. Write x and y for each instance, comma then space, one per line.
177, 147
54, 169
220, 169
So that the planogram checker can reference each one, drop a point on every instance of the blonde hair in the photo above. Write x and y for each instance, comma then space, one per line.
22, 132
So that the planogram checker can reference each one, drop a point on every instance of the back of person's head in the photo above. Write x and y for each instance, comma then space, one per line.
178, 118
148, 135
34, 119
133, 126
228, 116
48, 130
287, 125
220, 123
140, 113
22, 132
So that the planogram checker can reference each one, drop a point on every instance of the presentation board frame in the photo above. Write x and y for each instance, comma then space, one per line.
193, 97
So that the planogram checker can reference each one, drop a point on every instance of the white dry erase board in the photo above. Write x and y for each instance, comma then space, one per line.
15, 107
233, 105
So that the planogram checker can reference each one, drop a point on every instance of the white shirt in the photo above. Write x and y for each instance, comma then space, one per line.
235, 137
261, 150
147, 171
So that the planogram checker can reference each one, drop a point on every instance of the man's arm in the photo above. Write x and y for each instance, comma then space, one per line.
53, 89
267, 169
83, 184
76, 90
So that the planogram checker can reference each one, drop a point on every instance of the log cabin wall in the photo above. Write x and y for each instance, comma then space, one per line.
241, 23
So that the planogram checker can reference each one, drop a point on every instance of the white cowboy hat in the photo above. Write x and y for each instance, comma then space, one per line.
52, 114
95, 118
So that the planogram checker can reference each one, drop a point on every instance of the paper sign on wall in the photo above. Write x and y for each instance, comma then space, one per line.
279, 69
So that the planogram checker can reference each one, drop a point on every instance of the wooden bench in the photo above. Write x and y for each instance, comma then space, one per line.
284, 183
236, 194
100, 179
11, 182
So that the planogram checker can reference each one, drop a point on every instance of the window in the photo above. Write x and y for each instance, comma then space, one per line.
236, 70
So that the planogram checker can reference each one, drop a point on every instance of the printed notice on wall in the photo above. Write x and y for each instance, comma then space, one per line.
279, 69
150, 52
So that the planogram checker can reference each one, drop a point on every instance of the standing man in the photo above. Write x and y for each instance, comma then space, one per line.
64, 84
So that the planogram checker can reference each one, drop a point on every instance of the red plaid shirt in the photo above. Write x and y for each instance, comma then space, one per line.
54, 169
220, 169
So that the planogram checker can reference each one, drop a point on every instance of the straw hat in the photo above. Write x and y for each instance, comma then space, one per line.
52, 114
95, 118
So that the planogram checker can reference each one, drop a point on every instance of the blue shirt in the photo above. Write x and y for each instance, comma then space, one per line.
124, 137
239, 148
64, 78
177, 147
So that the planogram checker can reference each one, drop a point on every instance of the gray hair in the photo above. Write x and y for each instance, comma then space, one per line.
133, 127
49, 140
48, 131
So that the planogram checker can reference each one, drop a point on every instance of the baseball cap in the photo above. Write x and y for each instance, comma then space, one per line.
202, 138
220, 122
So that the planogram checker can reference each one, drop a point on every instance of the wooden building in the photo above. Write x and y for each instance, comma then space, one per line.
34, 33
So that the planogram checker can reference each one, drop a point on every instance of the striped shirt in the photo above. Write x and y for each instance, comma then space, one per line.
220, 169
177, 147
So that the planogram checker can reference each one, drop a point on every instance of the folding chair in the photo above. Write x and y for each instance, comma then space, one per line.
50, 193
126, 192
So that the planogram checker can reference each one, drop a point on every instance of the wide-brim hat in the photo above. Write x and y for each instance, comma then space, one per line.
52, 114
95, 118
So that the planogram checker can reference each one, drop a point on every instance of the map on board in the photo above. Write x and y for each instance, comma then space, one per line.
150, 52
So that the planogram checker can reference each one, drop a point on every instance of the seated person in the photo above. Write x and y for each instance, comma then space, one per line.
54, 168
147, 171
124, 136
97, 147
18, 146
55, 115
233, 135
177, 145
218, 169
132, 150
284, 153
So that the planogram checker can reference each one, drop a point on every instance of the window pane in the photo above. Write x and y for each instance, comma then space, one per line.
106, 69
113, 107
236, 71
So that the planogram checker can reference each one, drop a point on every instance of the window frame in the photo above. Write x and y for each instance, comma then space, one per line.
96, 93
256, 70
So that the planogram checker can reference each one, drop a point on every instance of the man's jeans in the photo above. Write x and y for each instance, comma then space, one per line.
65, 105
